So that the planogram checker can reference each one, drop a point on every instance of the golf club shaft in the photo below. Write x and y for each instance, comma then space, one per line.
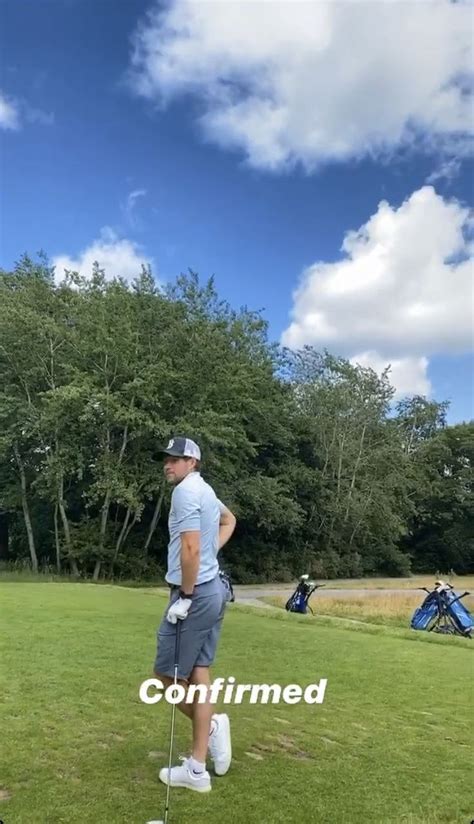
173, 712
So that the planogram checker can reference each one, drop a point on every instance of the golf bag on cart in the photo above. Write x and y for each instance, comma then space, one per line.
443, 612
298, 602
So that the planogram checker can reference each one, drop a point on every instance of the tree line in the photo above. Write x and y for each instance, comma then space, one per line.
324, 471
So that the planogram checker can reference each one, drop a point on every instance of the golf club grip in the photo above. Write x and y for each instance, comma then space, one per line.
178, 641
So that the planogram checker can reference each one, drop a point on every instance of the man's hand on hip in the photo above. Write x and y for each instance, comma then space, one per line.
179, 610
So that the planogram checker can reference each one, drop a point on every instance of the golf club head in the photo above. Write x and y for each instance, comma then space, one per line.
156, 821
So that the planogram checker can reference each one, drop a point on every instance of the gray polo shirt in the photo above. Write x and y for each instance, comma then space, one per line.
194, 506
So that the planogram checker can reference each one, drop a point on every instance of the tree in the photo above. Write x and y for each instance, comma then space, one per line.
96, 373
442, 529
351, 469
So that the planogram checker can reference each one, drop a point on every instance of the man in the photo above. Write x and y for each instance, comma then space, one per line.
199, 526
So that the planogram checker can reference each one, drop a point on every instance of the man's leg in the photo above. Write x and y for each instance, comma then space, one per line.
185, 708
198, 645
202, 714
207, 722
211, 730
192, 772
198, 711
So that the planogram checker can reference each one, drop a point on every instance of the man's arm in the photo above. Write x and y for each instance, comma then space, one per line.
226, 525
190, 554
187, 506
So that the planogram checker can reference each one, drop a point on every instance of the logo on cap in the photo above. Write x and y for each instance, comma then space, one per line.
171, 443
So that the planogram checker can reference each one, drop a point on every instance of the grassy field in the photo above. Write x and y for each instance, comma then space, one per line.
464, 582
13, 575
414, 581
392, 741
390, 609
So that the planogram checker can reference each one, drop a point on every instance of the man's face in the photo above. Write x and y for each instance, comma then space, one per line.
176, 469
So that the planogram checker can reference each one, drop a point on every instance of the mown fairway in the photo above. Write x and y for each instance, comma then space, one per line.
392, 741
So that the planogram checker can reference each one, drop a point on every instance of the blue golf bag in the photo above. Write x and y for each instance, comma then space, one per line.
298, 601
460, 615
443, 612
427, 613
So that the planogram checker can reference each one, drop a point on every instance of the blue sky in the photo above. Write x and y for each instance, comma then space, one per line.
250, 142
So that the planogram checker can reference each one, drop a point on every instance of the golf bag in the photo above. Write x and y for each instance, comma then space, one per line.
442, 611
298, 601
226, 580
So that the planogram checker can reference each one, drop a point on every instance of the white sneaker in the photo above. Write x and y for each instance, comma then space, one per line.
182, 776
220, 746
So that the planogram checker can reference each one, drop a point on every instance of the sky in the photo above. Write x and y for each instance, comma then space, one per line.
315, 158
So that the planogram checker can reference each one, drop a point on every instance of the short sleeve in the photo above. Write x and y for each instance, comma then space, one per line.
222, 507
187, 510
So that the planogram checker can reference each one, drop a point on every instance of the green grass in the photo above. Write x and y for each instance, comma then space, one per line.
391, 743
11, 575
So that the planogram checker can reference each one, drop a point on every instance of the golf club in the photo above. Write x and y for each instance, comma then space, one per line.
173, 712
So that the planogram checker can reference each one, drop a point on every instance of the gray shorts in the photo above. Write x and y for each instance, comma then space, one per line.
200, 631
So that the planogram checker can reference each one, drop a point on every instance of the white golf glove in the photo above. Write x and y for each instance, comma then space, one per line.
179, 610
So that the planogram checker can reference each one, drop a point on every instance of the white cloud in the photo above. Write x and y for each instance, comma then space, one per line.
402, 291
407, 375
9, 114
130, 206
310, 82
15, 111
447, 170
133, 196
119, 257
